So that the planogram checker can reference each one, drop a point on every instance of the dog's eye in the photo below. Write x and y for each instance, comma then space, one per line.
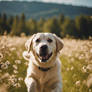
49, 40
38, 40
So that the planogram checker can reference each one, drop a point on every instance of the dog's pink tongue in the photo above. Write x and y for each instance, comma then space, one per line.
45, 57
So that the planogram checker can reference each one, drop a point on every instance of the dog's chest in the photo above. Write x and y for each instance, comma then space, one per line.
44, 82
41, 76
44, 77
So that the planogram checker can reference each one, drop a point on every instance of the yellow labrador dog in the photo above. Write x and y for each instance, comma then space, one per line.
44, 69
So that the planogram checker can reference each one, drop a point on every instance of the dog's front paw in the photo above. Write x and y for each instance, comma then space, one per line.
56, 90
32, 87
31, 84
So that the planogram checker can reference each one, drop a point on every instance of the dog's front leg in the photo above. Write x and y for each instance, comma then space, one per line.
57, 88
31, 84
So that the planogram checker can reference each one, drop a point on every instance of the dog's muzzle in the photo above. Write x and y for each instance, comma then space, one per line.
43, 54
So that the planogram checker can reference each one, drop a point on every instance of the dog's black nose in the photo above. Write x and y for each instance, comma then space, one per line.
44, 47
43, 50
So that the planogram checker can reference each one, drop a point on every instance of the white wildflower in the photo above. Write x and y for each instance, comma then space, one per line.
15, 71
7, 62
90, 90
91, 51
1, 55
89, 81
89, 67
77, 83
12, 49
67, 69
72, 68
15, 67
17, 85
12, 79
84, 70
20, 79
6, 75
26, 63
4, 66
18, 61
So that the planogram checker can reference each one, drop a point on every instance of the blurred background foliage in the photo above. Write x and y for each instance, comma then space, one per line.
80, 27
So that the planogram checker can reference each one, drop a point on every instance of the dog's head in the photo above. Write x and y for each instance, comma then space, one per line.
44, 46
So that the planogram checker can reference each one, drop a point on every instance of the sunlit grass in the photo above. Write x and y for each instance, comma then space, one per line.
76, 65
74, 79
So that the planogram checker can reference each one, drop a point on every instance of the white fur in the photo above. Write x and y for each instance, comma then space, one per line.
37, 80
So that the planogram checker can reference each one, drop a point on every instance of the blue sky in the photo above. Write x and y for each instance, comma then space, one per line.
73, 2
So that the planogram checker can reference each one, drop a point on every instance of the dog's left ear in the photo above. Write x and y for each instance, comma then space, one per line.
28, 44
26, 55
59, 43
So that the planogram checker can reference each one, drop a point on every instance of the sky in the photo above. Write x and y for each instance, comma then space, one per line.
73, 2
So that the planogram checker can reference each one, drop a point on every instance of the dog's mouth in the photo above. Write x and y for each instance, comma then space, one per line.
44, 58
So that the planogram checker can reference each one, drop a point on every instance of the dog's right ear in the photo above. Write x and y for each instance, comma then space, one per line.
28, 44
59, 43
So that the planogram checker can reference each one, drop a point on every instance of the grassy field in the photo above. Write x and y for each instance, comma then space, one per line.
76, 58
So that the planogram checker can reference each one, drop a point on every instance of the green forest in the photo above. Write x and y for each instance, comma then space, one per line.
80, 27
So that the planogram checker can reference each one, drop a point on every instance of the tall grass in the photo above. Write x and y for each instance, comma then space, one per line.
76, 60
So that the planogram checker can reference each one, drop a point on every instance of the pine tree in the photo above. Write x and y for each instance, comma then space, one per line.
68, 28
52, 26
14, 26
21, 26
32, 26
61, 19
0, 24
4, 26
0, 15
9, 23
81, 25
40, 24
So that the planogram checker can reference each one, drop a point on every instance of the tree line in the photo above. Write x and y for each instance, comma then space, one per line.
80, 27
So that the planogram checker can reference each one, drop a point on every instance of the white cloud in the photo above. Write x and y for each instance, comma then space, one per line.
73, 2
59, 1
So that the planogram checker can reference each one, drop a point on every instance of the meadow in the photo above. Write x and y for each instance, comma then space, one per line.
76, 58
